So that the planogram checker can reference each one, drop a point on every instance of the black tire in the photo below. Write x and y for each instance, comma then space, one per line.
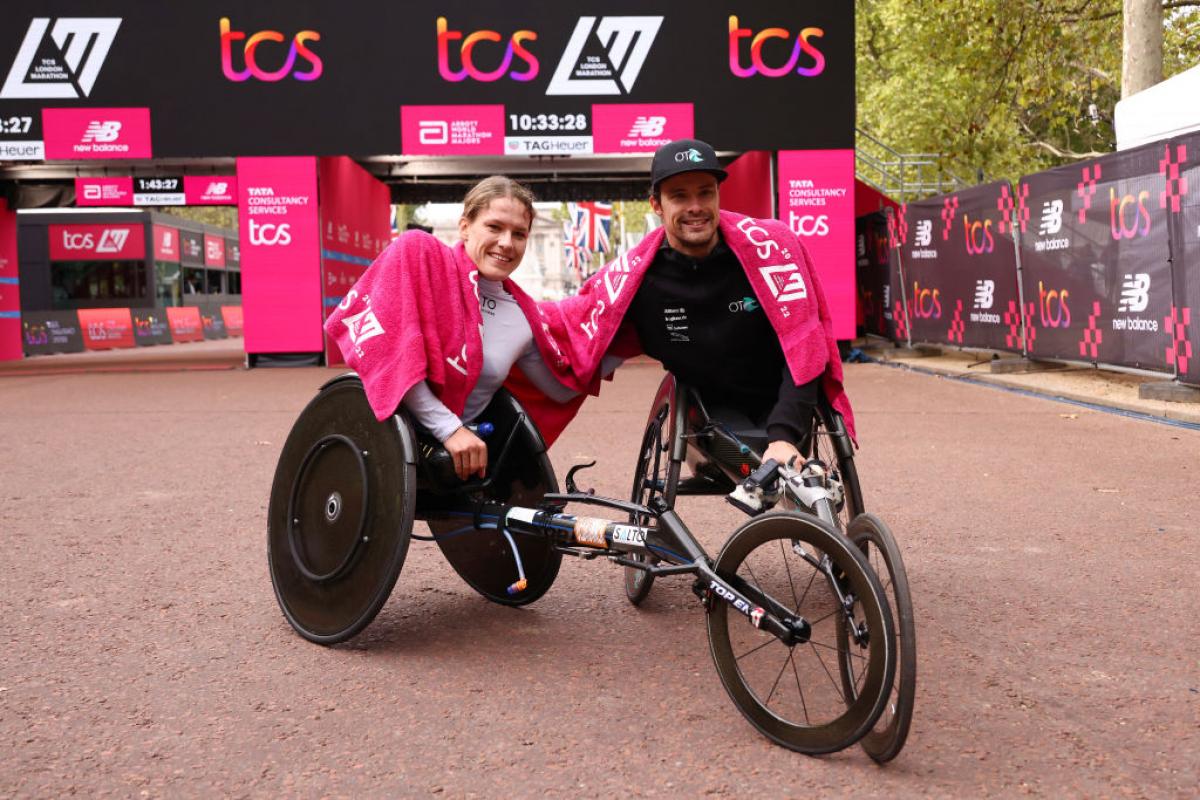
885, 741
830, 443
340, 515
817, 716
652, 477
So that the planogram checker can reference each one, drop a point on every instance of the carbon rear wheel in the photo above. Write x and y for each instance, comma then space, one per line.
796, 695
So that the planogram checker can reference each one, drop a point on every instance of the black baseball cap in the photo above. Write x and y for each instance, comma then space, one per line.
684, 155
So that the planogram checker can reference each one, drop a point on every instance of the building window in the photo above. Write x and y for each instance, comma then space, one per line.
91, 284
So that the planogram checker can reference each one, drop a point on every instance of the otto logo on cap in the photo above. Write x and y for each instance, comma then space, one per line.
691, 154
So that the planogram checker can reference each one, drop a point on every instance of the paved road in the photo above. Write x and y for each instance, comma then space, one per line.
1052, 553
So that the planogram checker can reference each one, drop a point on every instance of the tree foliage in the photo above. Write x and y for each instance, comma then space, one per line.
1004, 86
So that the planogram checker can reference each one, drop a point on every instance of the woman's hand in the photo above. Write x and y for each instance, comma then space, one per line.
469, 453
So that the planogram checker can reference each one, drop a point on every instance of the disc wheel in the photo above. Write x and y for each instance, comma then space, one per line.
795, 695
886, 739
650, 479
340, 515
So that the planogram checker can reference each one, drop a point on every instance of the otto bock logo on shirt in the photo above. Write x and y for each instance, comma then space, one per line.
63, 64
1135, 293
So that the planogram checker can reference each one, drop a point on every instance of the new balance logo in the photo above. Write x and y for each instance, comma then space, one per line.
219, 189
924, 233
1135, 293
1052, 212
64, 65
362, 326
647, 127
785, 282
102, 131
985, 292
112, 241
626, 42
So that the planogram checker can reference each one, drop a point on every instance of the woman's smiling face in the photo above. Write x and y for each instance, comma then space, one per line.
496, 238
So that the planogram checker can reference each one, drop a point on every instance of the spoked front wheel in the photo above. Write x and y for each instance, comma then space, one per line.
650, 480
886, 739
795, 694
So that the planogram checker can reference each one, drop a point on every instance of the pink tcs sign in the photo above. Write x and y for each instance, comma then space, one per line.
86, 133
639, 127
214, 251
279, 235
97, 242
452, 130
816, 200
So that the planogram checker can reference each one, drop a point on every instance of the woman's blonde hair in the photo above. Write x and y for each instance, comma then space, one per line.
492, 188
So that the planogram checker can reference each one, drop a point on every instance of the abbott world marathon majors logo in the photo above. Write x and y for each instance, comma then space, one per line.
60, 58
1135, 299
1050, 225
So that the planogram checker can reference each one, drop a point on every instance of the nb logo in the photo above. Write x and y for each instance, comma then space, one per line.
691, 154
72, 58
647, 127
215, 189
1135, 293
985, 292
106, 131
1052, 212
362, 326
924, 232
626, 42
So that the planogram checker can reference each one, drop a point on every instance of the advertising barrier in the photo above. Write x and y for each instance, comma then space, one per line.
10, 286
816, 200
1095, 260
185, 323
150, 326
232, 317
46, 332
1181, 173
106, 328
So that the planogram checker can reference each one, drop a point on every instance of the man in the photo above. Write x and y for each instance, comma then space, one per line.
697, 313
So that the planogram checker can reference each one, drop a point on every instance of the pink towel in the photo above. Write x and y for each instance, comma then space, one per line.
588, 325
414, 315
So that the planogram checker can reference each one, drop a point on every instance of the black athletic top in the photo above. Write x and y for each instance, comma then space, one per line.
700, 318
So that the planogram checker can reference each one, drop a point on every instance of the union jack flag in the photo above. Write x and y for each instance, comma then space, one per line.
573, 250
594, 221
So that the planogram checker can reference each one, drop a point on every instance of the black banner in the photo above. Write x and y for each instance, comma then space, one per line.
896, 305
873, 273
212, 321
960, 268
150, 326
191, 248
45, 332
308, 78
1181, 170
1094, 258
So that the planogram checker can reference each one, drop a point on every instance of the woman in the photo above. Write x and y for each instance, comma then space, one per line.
438, 329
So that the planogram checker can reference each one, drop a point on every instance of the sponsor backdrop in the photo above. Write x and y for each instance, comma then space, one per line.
355, 227
1181, 168
278, 230
1095, 260
10, 294
816, 200
319, 78
959, 268
873, 269
45, 332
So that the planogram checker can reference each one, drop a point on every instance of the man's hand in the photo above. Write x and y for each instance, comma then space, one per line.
469, 453
781, 451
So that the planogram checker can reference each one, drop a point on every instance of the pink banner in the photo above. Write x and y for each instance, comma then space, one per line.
816, 200
185, 323
104, 191
10, 287
232, 316
280, 254
97, 242
452, 130
211, 190
214, 251
84, 133
639, 127
106, 328
166, 244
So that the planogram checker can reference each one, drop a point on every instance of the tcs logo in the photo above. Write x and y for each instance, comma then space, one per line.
1131, 209
1052, 306
466, 54
270, 234
758, 66
250, 55
808, 224
927, 303
979, 236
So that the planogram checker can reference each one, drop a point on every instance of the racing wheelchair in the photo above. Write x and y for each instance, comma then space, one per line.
800, 628
722, 451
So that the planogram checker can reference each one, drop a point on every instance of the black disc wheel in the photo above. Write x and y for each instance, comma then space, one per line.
651, 478
795, 694
885, 741
340, 515
829, 442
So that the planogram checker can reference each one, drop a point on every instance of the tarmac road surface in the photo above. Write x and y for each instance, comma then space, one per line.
1052, 552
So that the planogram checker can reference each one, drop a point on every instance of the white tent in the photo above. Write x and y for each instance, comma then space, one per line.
1166, 109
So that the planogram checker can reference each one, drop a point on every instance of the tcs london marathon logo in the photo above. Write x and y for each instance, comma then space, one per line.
60, 58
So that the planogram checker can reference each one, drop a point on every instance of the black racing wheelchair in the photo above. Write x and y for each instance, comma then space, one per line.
800, 628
